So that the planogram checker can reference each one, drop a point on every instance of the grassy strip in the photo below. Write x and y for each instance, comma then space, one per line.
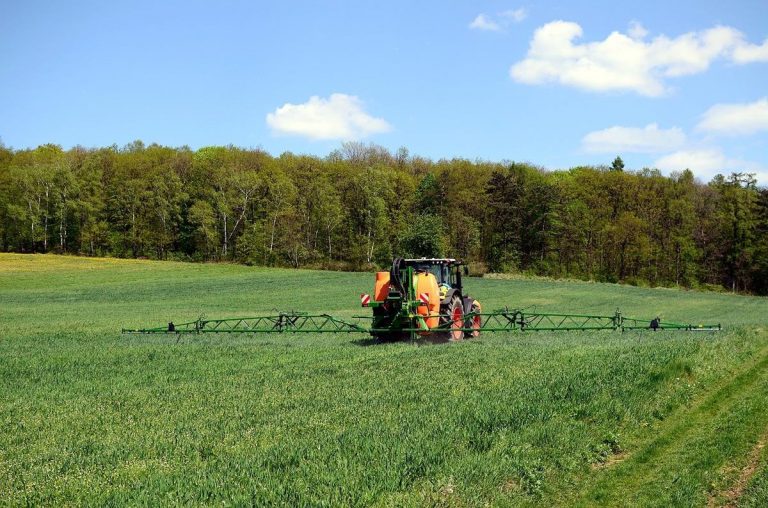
690, 454
755, 495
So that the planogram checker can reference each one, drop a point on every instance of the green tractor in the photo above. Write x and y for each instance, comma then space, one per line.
423, 298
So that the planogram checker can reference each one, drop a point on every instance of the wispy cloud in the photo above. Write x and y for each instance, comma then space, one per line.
648, 139
749, 53
340, 116
500, 21
624, 62
636, 30
736, 119
708, 162
483, 22
516, 15
676, 151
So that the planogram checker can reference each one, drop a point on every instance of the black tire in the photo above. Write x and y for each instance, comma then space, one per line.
381, 319
454, 318
475, 322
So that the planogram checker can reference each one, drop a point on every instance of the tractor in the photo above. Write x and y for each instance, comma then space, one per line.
423, 297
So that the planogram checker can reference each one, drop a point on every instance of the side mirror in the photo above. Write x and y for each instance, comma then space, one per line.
466, 270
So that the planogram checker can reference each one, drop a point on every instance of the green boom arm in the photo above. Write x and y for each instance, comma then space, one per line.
502, 320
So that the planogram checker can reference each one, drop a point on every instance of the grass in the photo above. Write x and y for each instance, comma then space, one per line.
757, 491
88, 416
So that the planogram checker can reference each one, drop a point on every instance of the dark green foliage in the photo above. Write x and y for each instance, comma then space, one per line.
361, 204
760, 267
423, 237
430, 196
503, 217
738, 214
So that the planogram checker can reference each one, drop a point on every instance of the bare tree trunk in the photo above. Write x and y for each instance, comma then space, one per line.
63, 222
45, 229
237, 223
32, 224
164, 237
133, 233
272, 236
369, 253
226, 238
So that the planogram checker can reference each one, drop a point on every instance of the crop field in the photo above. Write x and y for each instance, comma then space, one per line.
92, 417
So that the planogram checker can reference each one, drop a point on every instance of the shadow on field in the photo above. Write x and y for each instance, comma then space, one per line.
421, 341
369, 342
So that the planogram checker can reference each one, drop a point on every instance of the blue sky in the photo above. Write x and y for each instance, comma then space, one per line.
665, 84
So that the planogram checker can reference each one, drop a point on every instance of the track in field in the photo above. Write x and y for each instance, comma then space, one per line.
671, 470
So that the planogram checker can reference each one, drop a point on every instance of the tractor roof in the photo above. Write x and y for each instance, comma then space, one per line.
436, 261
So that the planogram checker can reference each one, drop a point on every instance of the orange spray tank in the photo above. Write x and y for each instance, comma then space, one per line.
381, 289
426, 284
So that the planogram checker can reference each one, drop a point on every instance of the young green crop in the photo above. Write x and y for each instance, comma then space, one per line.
89, 416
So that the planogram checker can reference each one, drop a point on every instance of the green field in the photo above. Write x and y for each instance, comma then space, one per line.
89, 416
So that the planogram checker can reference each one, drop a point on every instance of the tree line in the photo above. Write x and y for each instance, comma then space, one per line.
362, 204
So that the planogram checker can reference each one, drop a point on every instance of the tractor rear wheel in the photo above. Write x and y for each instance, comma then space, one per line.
474, 322
455, 319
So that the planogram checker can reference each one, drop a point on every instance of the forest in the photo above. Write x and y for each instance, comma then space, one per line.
360, 205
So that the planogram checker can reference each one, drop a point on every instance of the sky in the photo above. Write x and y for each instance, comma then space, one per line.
671, 85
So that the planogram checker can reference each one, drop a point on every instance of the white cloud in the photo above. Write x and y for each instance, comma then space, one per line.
499, 22
627, 62
516, 15
483, 22
707, 162
703, 162
648, 139
340, 116
735, 119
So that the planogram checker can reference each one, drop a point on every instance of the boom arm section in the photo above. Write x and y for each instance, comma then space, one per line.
292, 322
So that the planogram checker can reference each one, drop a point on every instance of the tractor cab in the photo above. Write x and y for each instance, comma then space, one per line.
447, 273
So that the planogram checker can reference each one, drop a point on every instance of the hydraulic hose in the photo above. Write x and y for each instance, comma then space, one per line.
396, 275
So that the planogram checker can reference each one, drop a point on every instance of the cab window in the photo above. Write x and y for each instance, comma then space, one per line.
437, 272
